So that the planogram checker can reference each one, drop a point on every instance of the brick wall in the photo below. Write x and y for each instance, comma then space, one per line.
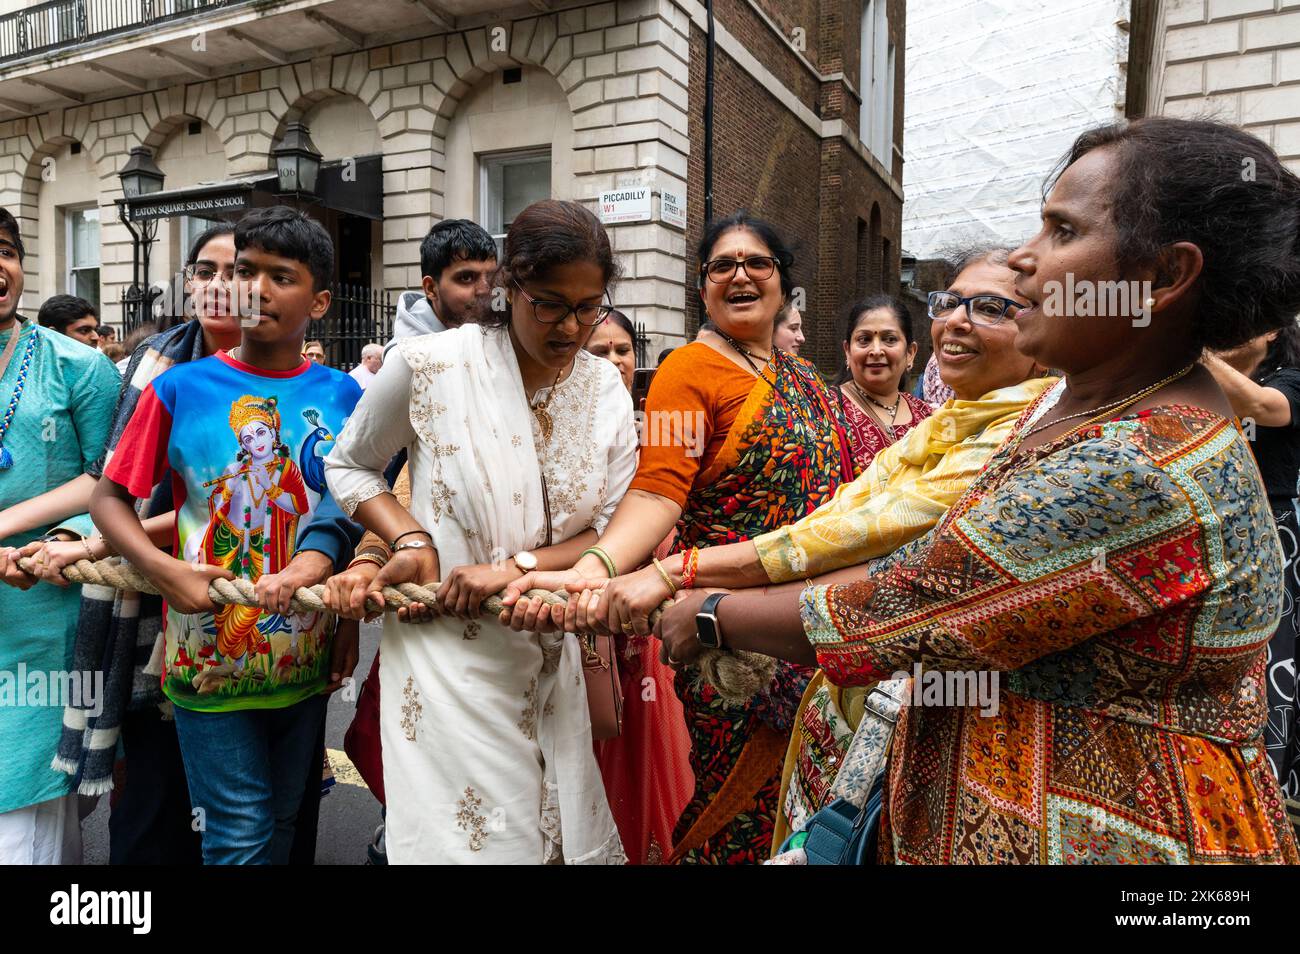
813, 188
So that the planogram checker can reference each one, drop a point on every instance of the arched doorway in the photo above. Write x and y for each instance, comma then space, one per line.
509, 144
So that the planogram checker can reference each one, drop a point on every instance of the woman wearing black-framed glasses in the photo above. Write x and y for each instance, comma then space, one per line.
742, 439
521, 445
981, 309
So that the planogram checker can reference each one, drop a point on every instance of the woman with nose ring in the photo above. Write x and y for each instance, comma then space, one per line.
742, 438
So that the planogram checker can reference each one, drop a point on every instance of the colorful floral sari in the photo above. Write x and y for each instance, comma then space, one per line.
785, 454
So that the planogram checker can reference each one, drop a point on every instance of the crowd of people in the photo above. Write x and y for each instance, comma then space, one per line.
1094, 507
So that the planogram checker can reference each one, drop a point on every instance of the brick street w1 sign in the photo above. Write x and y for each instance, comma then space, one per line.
672, 209
625, 205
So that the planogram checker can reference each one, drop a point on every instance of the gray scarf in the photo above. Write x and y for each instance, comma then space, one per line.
119, 633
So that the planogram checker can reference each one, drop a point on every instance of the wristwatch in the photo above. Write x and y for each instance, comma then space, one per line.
525, 561
707, 628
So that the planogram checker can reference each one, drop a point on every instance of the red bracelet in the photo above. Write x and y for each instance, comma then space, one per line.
690, 566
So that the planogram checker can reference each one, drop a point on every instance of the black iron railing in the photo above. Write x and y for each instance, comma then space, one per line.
642, 346
59, 23
357, 316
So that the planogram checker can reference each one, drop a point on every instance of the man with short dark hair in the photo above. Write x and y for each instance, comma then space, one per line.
71, 316
238, 433
457, 259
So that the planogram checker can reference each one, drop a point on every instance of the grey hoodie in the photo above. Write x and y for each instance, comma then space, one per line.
414, 317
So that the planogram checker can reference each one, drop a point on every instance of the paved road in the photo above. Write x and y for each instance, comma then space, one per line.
348, 813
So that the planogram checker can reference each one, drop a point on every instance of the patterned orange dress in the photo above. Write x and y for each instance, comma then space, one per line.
765, 452
1122, 582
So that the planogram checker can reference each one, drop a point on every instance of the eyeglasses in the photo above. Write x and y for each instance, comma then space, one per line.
555, 312
981, 309
757, 267
201, 274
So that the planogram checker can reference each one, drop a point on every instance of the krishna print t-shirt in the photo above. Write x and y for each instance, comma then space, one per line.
246, 451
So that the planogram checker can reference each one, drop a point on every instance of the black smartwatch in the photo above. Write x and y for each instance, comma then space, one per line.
707, 628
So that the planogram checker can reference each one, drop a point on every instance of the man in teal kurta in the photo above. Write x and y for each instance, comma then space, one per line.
65, 392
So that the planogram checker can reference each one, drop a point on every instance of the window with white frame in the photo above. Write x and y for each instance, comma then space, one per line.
509, 183
876, 76
83, 254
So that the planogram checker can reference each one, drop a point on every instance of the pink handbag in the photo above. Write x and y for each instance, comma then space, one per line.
604, 688
599, 667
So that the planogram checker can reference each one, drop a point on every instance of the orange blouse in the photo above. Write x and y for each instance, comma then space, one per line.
694, 399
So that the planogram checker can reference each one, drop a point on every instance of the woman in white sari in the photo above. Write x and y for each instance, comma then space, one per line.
520, 446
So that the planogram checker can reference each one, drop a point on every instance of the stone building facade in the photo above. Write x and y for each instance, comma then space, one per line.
472, 107
1237, 61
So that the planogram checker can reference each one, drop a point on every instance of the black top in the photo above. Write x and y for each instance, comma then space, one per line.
1277, 449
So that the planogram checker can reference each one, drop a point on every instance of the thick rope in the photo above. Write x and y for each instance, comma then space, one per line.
738, 676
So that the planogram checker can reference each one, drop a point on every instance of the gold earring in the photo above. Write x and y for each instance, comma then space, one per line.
1150, 303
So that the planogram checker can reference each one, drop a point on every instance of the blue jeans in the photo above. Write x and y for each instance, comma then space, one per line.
245, 770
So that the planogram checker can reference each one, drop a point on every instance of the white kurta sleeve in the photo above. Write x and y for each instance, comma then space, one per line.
378, 428
621, 459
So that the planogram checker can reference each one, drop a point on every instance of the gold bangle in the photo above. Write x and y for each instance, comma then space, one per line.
85, 544
668, 580
367, 558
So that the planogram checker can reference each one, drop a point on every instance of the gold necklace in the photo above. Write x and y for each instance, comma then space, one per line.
544, 420
1100, 412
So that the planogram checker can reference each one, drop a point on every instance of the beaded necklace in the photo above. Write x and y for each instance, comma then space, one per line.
747, 355
1114, 407
248, 512
6, 458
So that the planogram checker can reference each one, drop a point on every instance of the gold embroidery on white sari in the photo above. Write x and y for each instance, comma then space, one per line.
411, 708
528, 719
424, 413
469, 818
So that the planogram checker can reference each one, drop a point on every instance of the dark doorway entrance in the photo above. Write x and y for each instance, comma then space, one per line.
359, 313
353, 250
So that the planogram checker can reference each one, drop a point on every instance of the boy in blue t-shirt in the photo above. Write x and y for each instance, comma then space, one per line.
242, 435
